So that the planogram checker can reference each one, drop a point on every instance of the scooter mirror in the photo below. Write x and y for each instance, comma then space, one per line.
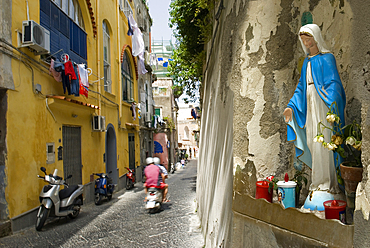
43, 169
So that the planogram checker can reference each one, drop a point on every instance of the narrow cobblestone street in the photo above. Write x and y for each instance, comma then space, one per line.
124, 222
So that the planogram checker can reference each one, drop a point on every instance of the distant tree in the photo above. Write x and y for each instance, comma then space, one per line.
191, 21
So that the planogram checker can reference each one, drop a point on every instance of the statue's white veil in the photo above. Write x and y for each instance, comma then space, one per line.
314, 31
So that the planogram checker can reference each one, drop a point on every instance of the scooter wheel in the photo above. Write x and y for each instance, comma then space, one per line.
109, 197
76, 212
128, 184
40, 221
98, 198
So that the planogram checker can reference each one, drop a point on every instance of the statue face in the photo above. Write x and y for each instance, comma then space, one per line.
309, 42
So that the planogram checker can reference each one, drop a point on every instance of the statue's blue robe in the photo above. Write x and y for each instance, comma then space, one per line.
330, 89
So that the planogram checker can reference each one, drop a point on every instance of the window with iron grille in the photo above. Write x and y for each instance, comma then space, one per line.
127, 79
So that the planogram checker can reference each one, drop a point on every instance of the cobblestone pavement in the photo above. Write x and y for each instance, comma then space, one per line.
124, 222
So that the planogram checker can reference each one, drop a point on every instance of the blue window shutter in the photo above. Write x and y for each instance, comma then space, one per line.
45, 6
74, 39
54, 40
63, 44
44, 20
64, 24
83, 45
54, 17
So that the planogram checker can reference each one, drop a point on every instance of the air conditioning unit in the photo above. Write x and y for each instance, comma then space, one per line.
36, 37
98, 123
148, 117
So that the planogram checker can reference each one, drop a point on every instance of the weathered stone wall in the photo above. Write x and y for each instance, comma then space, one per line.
252, 71
359, 78
6, 76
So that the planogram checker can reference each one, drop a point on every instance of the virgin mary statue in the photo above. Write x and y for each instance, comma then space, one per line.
318, 88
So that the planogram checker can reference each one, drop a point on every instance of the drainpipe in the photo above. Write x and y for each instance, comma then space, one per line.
119, 67
98, 54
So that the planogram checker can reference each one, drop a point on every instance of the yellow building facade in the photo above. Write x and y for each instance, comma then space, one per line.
43, 125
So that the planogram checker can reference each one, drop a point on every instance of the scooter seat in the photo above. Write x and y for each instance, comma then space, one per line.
64, 193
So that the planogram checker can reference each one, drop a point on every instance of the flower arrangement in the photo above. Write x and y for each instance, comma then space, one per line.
345, 141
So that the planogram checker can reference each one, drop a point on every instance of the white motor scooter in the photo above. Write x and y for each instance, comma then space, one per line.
66, 202
154, 199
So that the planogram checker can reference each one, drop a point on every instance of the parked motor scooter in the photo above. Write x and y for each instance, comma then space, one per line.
154, 199
104, 187
66, 202
172, 168
130, 178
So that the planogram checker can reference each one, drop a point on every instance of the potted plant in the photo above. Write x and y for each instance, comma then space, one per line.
346, 142
299, 178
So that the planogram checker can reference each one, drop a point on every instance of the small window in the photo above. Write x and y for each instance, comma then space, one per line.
50, 153
106, 58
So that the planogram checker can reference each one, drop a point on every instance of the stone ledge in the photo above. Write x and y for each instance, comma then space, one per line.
5, 228
331, 232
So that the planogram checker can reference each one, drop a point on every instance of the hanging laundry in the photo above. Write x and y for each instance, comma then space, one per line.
139, 111
193, 113
133, 110
57, 75
137, 38
155, 121
75, 84
69, 70
130, 31
83, 79
153, 60
141, 65
66, 83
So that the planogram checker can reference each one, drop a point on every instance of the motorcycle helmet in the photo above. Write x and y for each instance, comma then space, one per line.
149, 160
156, 160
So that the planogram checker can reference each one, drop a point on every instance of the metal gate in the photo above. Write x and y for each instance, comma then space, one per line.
72, 164
131, 150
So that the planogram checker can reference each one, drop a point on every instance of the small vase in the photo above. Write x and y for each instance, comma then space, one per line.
351, 176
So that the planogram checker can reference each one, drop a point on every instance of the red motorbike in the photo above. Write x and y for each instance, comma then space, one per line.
130, 178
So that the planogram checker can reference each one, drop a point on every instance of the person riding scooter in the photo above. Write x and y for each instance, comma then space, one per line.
157, 162
154, 177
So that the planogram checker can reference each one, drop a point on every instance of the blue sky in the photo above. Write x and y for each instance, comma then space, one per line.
158, 10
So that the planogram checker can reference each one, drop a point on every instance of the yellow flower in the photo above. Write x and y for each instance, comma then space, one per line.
336, 139
358, 145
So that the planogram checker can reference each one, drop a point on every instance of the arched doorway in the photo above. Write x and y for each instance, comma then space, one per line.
111, 153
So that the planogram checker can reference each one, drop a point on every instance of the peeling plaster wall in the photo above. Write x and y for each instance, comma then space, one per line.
214, 182
253, 70
6, 75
